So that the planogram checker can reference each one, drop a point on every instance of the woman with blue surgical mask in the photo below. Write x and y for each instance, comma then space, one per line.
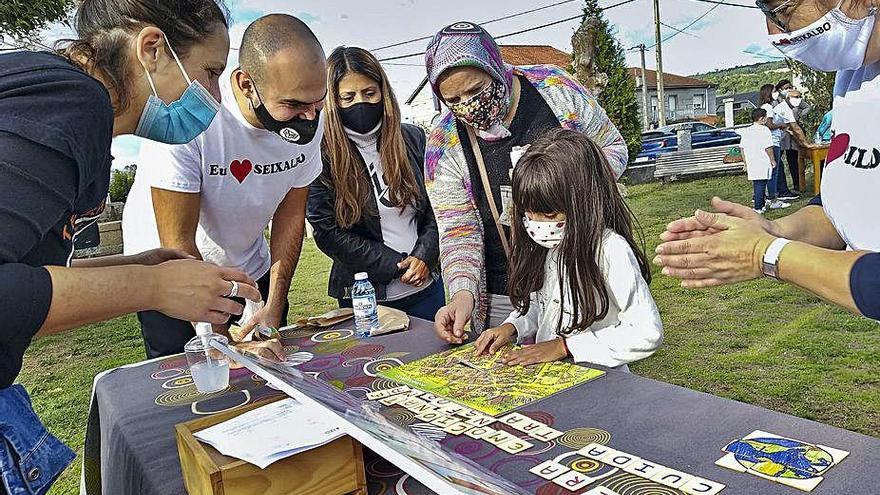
831, 247
144, 67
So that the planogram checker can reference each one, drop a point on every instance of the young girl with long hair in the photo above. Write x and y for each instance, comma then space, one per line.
369, 208
578, 279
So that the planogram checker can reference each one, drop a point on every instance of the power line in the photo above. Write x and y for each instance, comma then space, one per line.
679, 30
490, 21
535, 28
673, 35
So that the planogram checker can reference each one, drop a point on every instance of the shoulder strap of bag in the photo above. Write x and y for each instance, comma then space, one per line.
481, 166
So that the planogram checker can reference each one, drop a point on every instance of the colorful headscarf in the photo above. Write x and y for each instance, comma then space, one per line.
465, 44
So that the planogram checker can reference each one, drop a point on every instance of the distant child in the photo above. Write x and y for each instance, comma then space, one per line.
578, 280
757, 147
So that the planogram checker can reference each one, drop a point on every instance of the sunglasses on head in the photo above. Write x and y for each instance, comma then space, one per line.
773, 13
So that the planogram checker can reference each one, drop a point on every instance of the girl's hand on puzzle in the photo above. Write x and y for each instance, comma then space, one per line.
545, 352
493, 339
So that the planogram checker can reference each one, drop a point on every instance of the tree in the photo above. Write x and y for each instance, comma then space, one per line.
121, 182
819, 91
600, 65
21, 20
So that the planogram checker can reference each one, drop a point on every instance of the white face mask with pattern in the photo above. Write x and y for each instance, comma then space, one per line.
545, 234
834, 42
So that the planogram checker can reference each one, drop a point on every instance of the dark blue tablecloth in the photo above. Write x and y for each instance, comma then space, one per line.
131, 449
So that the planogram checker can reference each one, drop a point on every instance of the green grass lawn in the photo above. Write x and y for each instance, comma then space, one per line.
760, 342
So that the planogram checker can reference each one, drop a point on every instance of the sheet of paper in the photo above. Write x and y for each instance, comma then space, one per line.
272, 432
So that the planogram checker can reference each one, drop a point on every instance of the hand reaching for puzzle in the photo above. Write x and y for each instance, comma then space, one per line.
493, 339
545, 352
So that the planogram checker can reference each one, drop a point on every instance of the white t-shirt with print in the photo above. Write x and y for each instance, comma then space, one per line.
400, 229
851, 178
242, 173
782, 114
754, 143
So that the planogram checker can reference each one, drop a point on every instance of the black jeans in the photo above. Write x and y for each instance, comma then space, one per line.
164, 335
792, 157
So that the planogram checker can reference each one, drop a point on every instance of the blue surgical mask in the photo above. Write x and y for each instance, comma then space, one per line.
181, 120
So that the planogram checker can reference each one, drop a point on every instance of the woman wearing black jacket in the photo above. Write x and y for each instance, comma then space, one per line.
369, 208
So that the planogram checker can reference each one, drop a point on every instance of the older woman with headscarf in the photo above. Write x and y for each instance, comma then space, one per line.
495, 110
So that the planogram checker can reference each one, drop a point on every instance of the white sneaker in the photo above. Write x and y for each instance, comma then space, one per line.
779, 205
761, 211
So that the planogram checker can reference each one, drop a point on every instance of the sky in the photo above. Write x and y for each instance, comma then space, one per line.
721, 37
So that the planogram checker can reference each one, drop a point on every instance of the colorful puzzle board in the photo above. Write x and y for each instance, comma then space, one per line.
783, 460
484, 384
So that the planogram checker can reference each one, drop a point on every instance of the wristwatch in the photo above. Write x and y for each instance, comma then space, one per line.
770, 265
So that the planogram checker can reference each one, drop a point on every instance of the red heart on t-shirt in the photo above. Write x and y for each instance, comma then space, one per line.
240, 169
838, 147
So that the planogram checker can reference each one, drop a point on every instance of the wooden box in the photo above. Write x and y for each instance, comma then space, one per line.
333, 469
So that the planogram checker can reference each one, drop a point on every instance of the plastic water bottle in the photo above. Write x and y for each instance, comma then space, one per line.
363, 298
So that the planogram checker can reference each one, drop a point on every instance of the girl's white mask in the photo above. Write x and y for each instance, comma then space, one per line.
545, 234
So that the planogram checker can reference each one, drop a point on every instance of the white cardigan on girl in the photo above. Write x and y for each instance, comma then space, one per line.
631, 330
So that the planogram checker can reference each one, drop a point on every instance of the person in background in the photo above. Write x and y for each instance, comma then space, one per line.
494, 108
831, 247
757, 145
824, 132
214, 196
143, 67
769, 103
369, 208
579, 280
789, 145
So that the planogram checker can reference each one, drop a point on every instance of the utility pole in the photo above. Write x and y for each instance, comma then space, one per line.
661, 97
645, 108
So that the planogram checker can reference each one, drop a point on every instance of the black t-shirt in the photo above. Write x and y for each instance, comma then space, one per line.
533, 118
56, 125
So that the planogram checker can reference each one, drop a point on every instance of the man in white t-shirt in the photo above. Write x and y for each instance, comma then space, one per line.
757, 146
215, 196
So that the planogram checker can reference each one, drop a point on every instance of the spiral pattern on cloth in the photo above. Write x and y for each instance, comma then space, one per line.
381, 468
474, 450
184, 396
581, 437
373, 368
383, 384
541, 417
332, 335
400, 416
168, 373
630, 484
179, 382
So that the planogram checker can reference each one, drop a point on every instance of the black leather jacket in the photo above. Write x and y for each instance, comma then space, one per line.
360, 248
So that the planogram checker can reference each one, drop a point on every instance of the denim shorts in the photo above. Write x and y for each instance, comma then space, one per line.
31, 459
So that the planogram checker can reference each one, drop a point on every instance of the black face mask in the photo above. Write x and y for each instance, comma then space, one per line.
295, 130
362, 117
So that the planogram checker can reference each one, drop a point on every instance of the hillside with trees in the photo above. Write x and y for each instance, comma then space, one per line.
746, 78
